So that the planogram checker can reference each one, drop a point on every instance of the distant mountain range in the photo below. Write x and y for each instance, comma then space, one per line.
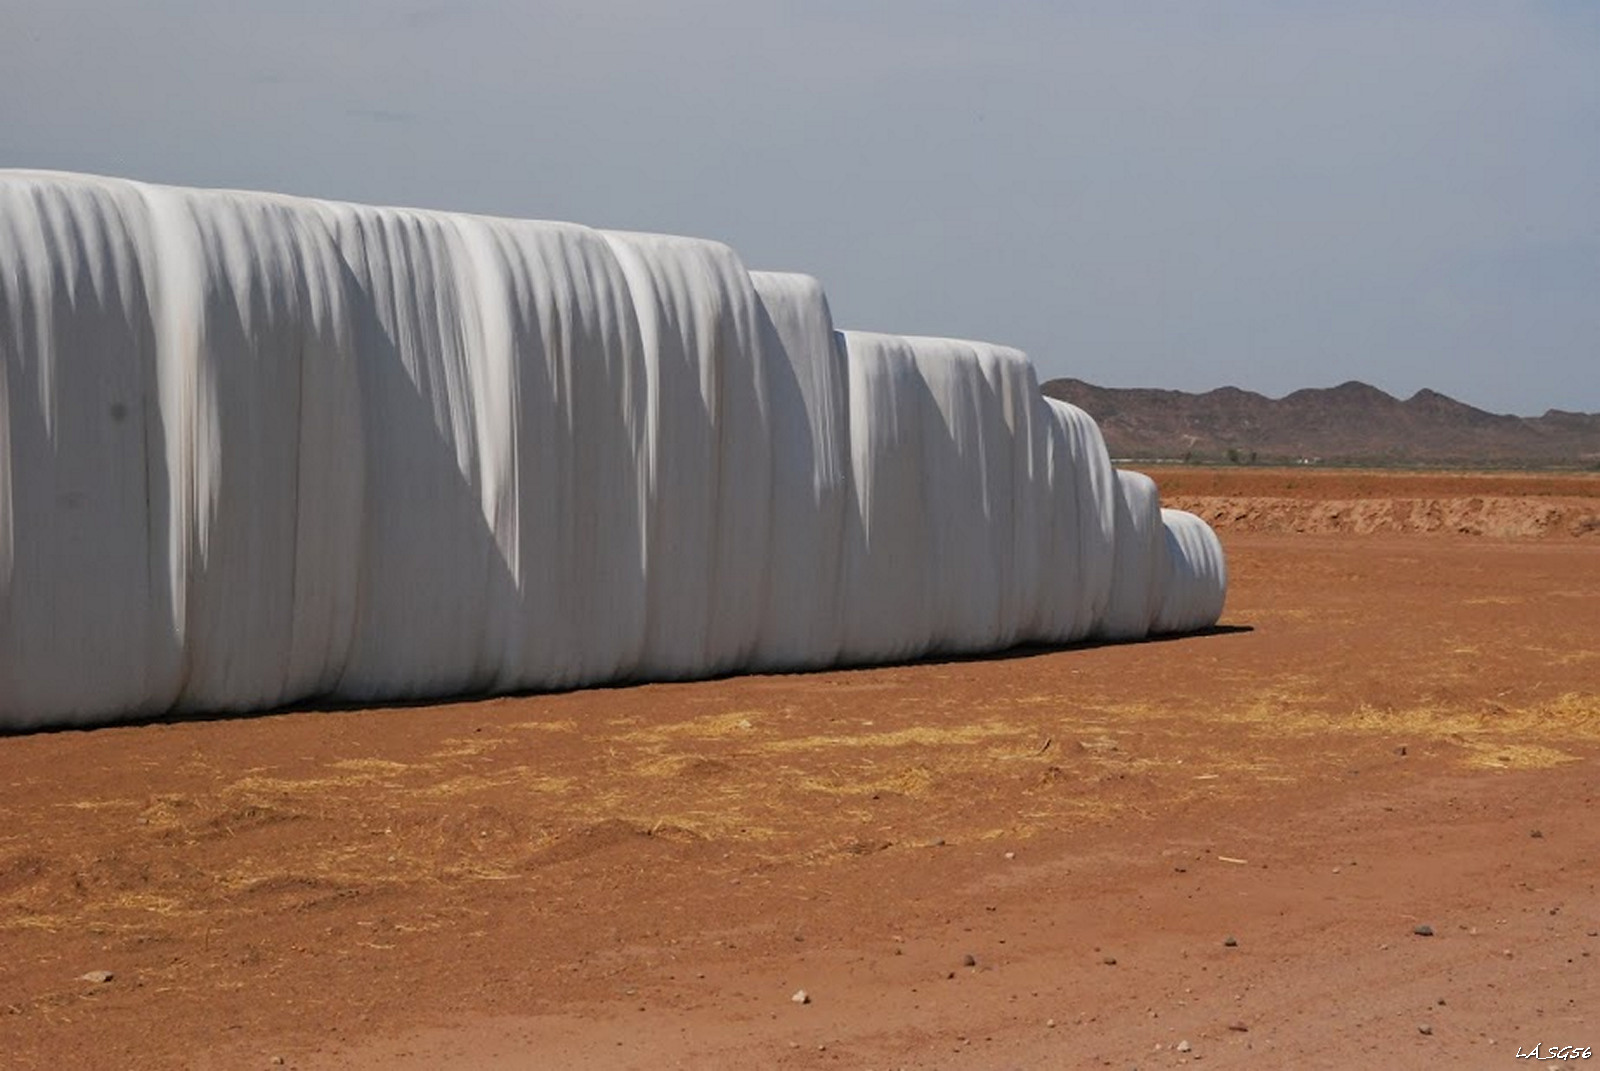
1352, 423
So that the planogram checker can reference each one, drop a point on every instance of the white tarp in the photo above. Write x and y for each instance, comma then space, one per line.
258, 449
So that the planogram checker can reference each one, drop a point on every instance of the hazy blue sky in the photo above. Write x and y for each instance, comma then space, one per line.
1184, 195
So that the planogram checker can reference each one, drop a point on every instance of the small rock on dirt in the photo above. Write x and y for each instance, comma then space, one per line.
801, 997
1230, 942
1110, 961
1239, 1027
1423, 930
1424, 1028
969, 960
97, 977
1184, 1046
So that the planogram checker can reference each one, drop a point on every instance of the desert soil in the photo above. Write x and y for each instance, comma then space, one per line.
1218, 848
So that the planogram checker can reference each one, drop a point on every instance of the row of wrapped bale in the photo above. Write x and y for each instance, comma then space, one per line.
257, 449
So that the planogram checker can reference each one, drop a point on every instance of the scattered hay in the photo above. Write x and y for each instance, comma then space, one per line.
733, 723
690, 766
919, 735
466, 747
376, 767
467, 784
564, 725
1502, 755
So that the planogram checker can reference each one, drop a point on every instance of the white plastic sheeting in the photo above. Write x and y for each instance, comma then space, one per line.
257, 449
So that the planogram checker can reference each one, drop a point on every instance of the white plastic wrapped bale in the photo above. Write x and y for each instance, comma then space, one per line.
946, 548
810, 474
87, 625
257, 397
708, 453
888, 611
524, 544
1139, 565
1196, 575
1079, 527
256, 449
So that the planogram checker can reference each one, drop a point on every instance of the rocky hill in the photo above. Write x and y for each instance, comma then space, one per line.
1349, 424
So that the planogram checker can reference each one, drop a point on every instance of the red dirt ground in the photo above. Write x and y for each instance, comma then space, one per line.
1395, 730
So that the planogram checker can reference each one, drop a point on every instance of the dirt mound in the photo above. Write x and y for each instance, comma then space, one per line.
1503, 518
1341, 502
